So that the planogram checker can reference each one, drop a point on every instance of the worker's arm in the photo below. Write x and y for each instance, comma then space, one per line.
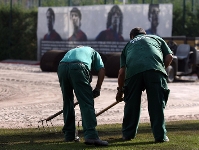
121, 77
100, 79
167, 60
120, 89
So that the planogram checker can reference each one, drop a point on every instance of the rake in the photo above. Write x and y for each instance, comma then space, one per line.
51, 117
61, 111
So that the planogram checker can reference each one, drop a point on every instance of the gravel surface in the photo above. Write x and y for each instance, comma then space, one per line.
28, 95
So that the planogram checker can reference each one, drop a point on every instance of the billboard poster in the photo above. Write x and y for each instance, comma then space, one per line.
109, 23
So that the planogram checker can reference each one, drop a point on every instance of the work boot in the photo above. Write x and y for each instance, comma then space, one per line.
166, 139
96, 142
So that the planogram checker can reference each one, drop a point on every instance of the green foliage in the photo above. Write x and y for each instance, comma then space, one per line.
54, 3
185, 23
4, 32
73, 2
18, 33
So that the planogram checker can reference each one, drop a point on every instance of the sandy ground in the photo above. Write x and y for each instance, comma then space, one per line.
28, 95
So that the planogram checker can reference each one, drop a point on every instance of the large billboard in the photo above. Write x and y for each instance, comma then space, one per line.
101, 22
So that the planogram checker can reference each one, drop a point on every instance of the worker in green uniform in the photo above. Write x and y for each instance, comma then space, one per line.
142, 67
74, 75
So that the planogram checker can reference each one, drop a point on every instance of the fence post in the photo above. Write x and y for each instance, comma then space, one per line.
192, 4
39, 3
184, 10
69, 2
10, 25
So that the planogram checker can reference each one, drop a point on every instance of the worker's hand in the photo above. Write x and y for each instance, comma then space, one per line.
119, 96
96, 92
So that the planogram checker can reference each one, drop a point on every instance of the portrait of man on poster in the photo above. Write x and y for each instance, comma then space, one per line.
153, 17
52, 35
114, 26
78, 34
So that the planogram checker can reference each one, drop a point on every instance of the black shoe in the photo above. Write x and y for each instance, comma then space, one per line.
126, 138
74, 140
96, 142
166, 139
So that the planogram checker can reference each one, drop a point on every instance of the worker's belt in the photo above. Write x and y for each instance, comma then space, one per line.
78, 62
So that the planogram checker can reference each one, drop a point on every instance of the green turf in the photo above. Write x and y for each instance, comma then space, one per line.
183, 135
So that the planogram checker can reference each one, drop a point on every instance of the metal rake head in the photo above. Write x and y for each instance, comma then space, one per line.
46, 122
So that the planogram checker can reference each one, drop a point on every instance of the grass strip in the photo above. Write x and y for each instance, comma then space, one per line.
183, 135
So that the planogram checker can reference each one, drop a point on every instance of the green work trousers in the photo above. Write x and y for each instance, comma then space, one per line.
75, 76
157, 94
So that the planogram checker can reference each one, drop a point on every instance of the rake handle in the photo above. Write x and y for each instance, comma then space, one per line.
105, 109
58, 113
99, 113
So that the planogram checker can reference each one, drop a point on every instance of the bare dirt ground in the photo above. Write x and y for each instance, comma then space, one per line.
28, 95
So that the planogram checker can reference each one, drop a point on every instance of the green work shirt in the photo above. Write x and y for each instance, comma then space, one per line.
144, 52
86, 55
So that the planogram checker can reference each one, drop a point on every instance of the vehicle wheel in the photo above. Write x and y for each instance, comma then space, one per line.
173, 46
171, 74
198, 72
50, 60
113, 65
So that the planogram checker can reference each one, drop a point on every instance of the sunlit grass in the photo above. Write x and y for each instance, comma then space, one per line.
183, 135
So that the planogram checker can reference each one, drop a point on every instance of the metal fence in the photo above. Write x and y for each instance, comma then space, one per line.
37, 3
183, 4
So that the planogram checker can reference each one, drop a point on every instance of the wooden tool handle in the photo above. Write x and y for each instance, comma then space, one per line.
58, 113
105, 109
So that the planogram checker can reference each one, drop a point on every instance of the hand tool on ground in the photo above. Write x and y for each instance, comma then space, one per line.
51, 117
61, 111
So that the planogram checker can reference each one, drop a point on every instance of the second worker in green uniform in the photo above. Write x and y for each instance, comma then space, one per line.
142, 67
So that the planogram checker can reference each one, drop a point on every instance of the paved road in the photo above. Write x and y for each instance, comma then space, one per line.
28, 95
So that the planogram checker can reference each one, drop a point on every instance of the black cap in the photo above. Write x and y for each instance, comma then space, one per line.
136, 31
